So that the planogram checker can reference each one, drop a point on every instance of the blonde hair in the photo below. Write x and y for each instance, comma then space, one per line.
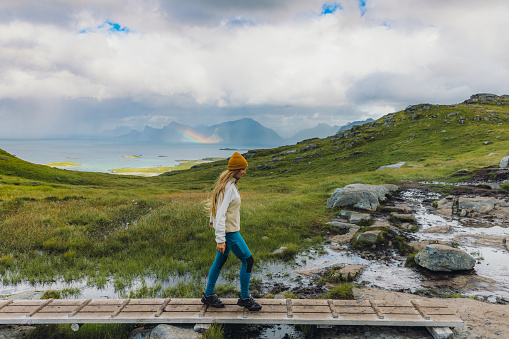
219, 189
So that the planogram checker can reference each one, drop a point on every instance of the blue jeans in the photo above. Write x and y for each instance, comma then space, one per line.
237, 245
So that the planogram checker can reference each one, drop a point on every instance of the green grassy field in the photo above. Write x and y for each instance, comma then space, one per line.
60, 224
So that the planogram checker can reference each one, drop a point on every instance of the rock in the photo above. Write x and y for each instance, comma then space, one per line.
345, 214
420, 245
369, 236
360, 218
280, 250
467, 207
360, 196
441, 258
342, 225
349, 272
493, 154
504, 162
403, 217
308, 273
140, 333
438, 229
398, 165
464, 170
169, 331
345, 238
406, 226
201, 328
337, 248
380, 223
15, 331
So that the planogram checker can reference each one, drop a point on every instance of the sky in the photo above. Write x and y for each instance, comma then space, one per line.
81, 67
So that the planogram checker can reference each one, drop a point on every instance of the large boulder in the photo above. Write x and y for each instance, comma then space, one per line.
369, 236
471, 207
442, 258
360, 196
504, 162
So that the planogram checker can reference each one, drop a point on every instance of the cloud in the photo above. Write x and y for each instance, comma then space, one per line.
277, 61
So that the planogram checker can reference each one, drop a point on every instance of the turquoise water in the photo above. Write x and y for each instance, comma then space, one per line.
104, 155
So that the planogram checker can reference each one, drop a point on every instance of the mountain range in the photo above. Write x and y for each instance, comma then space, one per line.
238, 132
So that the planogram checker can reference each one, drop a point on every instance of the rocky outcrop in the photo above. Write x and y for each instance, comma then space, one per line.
441, 258
360, 196
504, 162
472, 207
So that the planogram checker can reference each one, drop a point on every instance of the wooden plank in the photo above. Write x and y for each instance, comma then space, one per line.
105, 302
352, 303
80, 307
99, 308
440, 332
354, 310
203, 310
8, 302
182, 301
147, 301
398, 310
57, 309
311, 309
376, 309
47, 302
183, 308
141, 308
162, 307
420, 310
438, 311
309, 302
289, 308
124, 304
332, 308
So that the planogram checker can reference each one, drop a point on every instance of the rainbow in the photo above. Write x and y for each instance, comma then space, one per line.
191, 135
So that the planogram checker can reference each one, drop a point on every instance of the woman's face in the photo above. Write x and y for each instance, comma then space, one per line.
240, 173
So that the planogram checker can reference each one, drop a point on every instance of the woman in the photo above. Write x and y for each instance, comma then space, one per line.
225, 219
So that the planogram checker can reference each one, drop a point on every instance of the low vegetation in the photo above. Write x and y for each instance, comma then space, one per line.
60, 225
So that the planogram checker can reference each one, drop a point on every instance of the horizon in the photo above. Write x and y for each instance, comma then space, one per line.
73, 69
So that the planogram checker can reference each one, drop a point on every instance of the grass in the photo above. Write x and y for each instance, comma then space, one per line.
65, 225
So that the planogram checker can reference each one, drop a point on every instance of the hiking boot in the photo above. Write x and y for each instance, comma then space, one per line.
212, 300
249, 303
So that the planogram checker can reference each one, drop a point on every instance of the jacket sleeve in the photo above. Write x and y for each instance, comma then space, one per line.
220, 220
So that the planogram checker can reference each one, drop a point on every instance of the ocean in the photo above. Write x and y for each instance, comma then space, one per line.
103, 155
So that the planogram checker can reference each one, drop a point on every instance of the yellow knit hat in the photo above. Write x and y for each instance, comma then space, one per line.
236, 162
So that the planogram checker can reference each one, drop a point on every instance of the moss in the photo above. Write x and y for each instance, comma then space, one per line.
343, 291
51, 294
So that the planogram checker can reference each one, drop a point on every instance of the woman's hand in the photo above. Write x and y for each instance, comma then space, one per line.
211, 225
221, 247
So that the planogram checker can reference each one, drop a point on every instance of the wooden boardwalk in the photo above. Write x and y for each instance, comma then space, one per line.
429, 313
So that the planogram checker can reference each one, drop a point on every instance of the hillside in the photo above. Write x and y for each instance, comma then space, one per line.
102, 228
433, 140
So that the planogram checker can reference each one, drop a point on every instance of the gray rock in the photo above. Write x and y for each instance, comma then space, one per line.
438, 229
360, 196
280, 250
369, 236
164, 331
140, 333
464, 170
504, 162
442, 258
345, 213
358, 218
342, 225
398, 165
